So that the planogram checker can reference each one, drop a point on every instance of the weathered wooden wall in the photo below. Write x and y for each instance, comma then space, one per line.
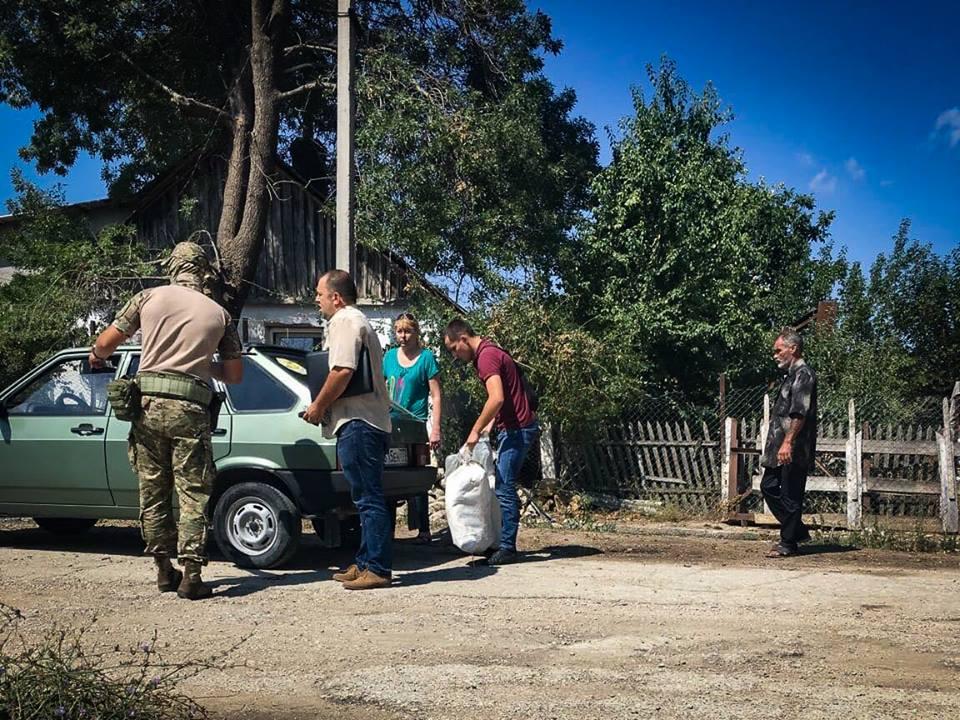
299, 242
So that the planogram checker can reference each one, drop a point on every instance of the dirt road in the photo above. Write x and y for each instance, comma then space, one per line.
589, 626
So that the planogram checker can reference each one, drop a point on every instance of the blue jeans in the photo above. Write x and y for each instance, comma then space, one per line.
361, 449
512, 448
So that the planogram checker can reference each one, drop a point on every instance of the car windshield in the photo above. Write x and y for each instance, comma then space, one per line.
294, 363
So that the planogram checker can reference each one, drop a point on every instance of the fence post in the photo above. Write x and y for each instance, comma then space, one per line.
854, 455
948, 473
729, 465
548, 458
723, 408
764, 433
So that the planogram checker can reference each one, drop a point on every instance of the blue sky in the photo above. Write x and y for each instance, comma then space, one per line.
840, 99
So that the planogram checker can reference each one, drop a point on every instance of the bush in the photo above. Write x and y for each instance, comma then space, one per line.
59, 676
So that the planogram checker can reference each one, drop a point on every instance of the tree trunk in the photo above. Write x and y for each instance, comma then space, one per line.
252, 158
236, 181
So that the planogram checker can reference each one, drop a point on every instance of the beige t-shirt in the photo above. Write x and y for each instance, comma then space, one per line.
182, 329
347, 331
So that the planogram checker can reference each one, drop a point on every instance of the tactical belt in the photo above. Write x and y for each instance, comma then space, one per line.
174, 386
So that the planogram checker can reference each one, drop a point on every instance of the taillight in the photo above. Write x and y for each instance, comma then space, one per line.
421, 455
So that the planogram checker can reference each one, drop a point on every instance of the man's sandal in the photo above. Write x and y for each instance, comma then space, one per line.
781, 551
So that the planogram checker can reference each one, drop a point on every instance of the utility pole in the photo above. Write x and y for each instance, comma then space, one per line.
346, 185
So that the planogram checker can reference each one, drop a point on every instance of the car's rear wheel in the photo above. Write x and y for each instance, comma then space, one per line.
65, 526
256, 525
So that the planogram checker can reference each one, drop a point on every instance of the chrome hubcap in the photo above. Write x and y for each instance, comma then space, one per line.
252, 527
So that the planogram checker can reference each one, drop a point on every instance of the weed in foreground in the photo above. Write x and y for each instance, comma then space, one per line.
878, 537
63, 675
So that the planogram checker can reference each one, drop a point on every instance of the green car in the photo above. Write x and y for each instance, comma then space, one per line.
63, 456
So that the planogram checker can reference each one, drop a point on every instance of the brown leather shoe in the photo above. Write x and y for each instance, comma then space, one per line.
192, 587
368, 580
348, 575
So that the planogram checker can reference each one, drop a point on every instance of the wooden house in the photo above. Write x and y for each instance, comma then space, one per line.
299, 246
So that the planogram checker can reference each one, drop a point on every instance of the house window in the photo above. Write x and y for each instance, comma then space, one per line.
300, 337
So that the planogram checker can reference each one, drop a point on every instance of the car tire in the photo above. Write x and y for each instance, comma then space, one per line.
65, 526
256, 525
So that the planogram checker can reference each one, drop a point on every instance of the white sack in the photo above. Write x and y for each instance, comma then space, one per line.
473, 513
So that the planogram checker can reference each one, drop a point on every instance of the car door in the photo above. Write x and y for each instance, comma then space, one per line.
52, 448
266, 428
123, 481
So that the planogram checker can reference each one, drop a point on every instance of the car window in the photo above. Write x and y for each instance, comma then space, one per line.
259, 391
293, 364
69, 388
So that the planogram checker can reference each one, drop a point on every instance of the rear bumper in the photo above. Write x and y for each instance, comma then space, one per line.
320, 491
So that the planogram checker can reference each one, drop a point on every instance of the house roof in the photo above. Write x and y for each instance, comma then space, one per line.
81, 207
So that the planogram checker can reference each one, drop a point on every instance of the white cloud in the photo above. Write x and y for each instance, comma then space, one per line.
823, 182
805, 158
949, 121
854, 168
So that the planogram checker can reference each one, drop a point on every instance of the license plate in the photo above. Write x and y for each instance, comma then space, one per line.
397, 456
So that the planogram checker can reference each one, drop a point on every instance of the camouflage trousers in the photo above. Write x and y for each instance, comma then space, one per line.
170, 449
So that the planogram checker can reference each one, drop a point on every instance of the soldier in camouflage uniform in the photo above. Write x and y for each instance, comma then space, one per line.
170, 444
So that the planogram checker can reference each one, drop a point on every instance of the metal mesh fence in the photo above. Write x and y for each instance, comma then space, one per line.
668, 448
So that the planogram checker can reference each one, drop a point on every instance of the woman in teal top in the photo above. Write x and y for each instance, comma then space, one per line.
412, 375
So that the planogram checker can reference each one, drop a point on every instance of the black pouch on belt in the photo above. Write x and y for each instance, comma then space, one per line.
124, 396
216, 402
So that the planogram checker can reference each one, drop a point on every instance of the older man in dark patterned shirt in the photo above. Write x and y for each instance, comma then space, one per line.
791, 443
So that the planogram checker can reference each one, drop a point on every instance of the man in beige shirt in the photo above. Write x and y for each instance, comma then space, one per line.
361, 424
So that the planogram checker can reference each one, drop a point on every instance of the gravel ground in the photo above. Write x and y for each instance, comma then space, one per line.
665, 621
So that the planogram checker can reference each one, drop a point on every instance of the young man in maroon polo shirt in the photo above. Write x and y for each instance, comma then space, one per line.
508, 409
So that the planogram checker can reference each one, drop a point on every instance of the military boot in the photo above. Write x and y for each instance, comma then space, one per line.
192, 587
168, 577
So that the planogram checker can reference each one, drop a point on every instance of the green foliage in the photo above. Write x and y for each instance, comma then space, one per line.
685, 261
66, 277
470, 163
62, 675
915, 298
582, 376
897, 336
917, 540
466, 184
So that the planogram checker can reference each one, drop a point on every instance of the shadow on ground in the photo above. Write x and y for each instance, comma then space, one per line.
825, 548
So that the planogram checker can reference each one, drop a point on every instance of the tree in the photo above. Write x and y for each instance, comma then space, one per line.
68, 275
461, 138
915, 295
682, 258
